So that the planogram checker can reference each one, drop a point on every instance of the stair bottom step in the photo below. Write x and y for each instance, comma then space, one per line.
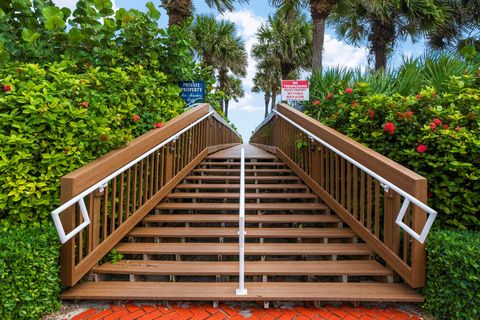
286, 291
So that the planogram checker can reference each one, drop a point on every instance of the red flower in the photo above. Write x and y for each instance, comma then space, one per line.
7, 88
158, 125
84, 104
349, 90
371, 114
445, 126
355, 104
438, 122
458, 128
422, 148
136, 118
418, 96
329, 96
316, 102
409, 113
433, 126
389, 127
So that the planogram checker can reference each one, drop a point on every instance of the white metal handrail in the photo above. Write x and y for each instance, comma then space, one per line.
102, 183
432, 214
241, 291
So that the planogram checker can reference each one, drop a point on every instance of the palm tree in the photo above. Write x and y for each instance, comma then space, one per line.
267, 80
180, 10
233, 90
319, 10
382, 23
219, 48
286, 44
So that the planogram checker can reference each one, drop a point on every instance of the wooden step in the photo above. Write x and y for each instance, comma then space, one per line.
257, 291
247, 163
236, 195
235, 206
247, 178
223, 170
267, 268
281, 249
200, 232
249, 218
248, 186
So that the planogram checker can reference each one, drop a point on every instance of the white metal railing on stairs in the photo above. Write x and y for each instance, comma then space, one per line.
385, 184
102, 183
241, 291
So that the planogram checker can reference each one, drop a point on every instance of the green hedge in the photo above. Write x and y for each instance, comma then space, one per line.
453, 275
29, 273
58, 117
434, 133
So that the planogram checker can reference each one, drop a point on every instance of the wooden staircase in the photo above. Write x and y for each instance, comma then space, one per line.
296, 248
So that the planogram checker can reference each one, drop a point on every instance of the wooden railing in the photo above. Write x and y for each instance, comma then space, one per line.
359, 199
118, 206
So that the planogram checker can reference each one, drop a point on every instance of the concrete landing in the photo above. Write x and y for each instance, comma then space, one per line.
234, 153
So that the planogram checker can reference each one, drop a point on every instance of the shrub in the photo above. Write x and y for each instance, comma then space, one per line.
29, 273
434, 133
56, 118
453, 275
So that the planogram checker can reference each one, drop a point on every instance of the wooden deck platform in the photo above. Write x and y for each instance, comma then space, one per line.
251, 152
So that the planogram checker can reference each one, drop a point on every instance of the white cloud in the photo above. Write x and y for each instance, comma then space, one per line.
339, 53
249, 103
247, 25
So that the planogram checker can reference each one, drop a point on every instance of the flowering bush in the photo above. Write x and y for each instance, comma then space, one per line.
436, 134
55, 119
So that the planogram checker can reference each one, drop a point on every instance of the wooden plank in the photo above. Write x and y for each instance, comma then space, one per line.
247, 164
286, 186
283, 249
249, 218
257, 291
203, 232
234, 206
224, 170
247, 178
236, 195
272, 268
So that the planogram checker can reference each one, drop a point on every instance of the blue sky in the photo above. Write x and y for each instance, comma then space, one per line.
249, 111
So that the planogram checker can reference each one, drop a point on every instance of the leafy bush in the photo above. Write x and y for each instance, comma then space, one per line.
453, 275
56, 118
434, 133
29, 273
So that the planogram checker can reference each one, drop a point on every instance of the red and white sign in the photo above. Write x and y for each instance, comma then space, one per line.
295, 90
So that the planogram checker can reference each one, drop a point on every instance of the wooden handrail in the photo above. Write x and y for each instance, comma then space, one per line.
123, 203
354, 195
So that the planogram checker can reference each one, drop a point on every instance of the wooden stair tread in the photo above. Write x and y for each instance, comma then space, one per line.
257, 291
221, 170
249, 218
237, 186
235, 206
258, 178
204, 268
236, 195
250, 248
200, 232
247, 164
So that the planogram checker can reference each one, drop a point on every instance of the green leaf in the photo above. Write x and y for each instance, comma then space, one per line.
152, 11
75, 35
53, 18
30, 36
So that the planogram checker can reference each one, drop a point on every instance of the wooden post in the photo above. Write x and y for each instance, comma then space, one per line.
95, 216
67, 255
169, 163
315, 162
418, 260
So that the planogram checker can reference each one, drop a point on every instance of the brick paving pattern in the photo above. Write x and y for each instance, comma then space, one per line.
238, 312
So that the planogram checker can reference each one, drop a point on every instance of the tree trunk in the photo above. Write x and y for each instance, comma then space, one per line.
222, 80
226, 108
266, 96
320, 10
274, 97
381, 40
178, 11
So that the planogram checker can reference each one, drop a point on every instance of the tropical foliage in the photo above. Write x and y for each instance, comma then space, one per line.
427, 120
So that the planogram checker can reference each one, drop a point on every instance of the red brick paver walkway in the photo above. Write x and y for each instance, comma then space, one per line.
238, 312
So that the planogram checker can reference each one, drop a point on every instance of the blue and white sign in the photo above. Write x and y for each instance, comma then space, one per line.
192, 92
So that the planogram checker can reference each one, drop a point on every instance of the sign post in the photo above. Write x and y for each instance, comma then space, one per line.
295, 90
192, 92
